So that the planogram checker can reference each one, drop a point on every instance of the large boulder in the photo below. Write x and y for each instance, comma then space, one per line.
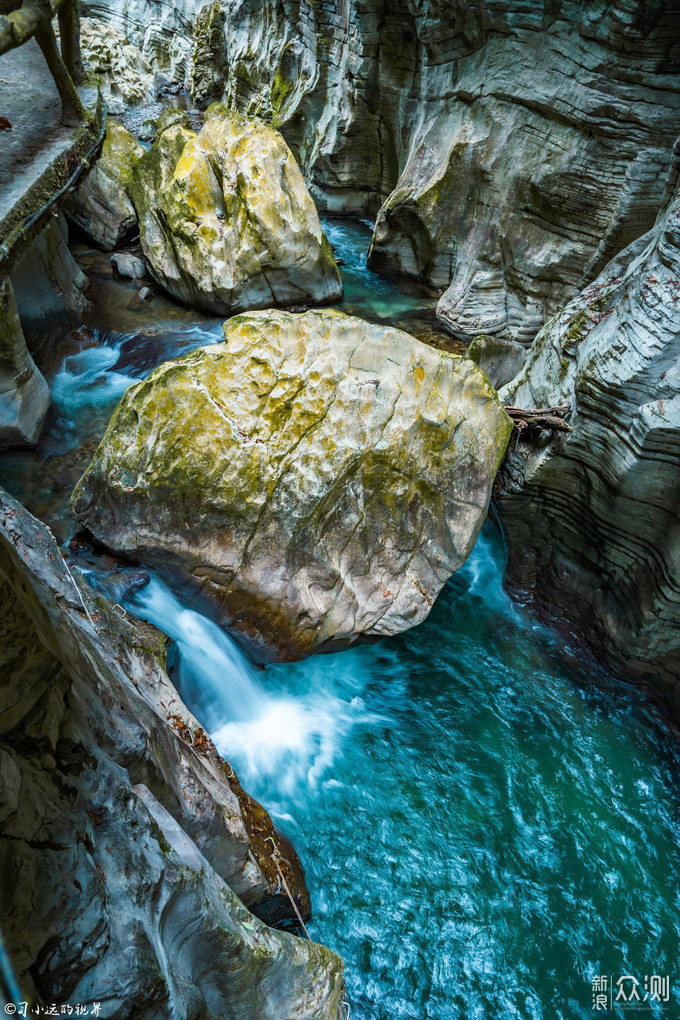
24, 394
593, 516
226, 221
100, 205
317, 477
128, 850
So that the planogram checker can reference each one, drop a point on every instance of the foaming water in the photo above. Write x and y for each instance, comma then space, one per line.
93, 379
218, 682
484, 830
287, 739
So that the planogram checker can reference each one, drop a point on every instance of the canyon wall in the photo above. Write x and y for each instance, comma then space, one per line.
593, 516
127, 846
508, 149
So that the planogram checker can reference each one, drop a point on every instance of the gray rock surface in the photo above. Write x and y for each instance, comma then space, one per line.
499, 359
226, 221
317, 477
49, 288
125, 75
24, 395
593, 516
124, 843
129, 265
100, 205
514, 148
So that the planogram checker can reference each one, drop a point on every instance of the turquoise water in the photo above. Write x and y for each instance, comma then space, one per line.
484, 831
486, 825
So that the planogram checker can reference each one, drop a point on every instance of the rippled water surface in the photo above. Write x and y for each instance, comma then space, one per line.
484, 828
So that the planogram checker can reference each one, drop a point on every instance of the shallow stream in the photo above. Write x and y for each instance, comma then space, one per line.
487, 825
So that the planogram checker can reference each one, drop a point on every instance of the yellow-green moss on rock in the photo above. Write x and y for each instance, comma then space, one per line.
101, 206
226, 221
318, 477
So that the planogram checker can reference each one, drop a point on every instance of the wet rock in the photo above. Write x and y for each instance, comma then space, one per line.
209, 66
129, 265
147, 130
127, 846
49, 288
592, 516
145, 294
100, 206
24, 395
226, 221
499, 359
318, 477
120, 585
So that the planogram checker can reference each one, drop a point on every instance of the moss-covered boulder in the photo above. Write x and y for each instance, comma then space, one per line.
226, 221
318, 478
101, 206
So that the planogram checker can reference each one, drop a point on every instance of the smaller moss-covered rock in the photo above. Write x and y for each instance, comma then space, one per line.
101, 206
226, 221
317, 477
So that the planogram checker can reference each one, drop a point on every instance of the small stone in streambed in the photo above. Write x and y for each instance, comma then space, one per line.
129, 265
120, 585
146, 294
147, 131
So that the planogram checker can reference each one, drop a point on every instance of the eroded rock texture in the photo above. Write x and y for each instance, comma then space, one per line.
225, 218
100, 205
126, 851
593, 517
24, 395
318, 477
514, 148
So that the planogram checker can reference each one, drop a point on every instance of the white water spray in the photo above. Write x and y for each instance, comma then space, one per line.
280, 741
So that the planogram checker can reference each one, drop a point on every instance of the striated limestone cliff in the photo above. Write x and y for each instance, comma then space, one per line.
593, 517
127, 847
511, 149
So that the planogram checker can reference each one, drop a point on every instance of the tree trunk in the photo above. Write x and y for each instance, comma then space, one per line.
72, 112
69, 30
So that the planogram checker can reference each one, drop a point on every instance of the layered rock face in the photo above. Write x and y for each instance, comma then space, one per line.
317, 477
24, 395
49, 288
225, 218
514, 148
127, 847
499, 359
101, 206
593, 517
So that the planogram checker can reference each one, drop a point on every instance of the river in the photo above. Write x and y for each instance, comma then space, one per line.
488, 824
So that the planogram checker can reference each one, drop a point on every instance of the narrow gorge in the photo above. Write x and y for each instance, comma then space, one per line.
339, 509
